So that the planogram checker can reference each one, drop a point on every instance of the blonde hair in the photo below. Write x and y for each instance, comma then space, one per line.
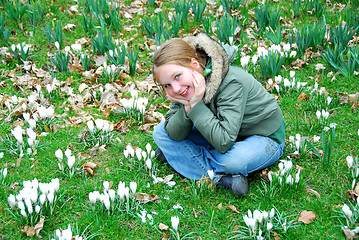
177, 51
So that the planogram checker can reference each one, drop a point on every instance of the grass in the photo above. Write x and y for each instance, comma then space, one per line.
206, 213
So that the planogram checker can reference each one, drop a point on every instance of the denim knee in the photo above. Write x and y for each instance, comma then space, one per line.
158, 131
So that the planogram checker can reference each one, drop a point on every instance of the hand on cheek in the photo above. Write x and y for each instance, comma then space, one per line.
199, 85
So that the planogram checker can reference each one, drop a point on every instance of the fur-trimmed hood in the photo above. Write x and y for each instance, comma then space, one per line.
219, 58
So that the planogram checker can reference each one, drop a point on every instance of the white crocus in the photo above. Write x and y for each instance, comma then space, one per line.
350, 161
42, 198
149, 163
93, 198
37, 209
55, 184
175, 222
121, 190
57, 45
112, 194
99, 124
67, 153
90, 125
50, 197
4, 173
31, 133
133, 187
32, 123
210, 174
59, 154
347, 211
148, 148
71, 161
106, 185
12, 201
17, 133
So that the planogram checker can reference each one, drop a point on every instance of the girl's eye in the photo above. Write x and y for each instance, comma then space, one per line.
167, 85
177, 76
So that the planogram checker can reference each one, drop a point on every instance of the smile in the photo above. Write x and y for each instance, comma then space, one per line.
184, 93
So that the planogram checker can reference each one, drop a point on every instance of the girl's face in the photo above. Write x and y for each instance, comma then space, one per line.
177, 80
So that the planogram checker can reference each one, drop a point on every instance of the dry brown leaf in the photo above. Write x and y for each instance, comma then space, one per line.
232, 207
349, 234
163, 227
121, 126
76, 68
89, 167
352, 195
276, 236
145, 198
39, 226
303, 97
306, 217
309, 190
319, 66
31, 231
220, 206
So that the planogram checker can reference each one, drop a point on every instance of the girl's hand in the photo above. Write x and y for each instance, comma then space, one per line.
199, 84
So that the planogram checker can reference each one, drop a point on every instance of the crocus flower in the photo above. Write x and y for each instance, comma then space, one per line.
245, 61
21, 205
112, 194
17, 133
71, 161
318, 113
348, 213
175, 221
50, 197
210, 174
148, 148
67, 153
42, 198
55, 182
90, 125
121, 190
106, 185
269, 226
133, 187
148, 163
99, 124
59, 154
350, 161
93, 198
4, 172
57, 45
37, 209
23, 213
11, 200
32, 123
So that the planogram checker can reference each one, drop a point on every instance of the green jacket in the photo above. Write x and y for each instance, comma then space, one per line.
234, 106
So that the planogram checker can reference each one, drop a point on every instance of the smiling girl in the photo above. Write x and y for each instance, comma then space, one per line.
221, 118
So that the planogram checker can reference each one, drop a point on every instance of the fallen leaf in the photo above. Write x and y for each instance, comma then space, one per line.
309, 190
39, 226
220, 206
232, 207
306, 217
145, 198
303, 97
352, 195
29, 231
276, 237
163, 227
349, 234
319, 66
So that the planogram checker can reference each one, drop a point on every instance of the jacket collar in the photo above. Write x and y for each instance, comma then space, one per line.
218, 57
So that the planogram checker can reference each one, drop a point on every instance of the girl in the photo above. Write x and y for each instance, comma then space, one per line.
221, 118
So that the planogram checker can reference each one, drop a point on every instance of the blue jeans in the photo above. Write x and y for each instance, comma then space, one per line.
194, 156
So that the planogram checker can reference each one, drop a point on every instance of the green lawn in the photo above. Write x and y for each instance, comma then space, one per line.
41, 71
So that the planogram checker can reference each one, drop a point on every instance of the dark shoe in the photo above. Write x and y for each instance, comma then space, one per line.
238, 184
160, 156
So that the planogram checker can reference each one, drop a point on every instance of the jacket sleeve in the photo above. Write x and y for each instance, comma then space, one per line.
177, 125
221, 129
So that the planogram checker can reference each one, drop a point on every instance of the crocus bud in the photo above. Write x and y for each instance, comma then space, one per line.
67, 153
106, 185
71, 161
347, 211
12, 201
59, 154
37, 209
50, 197
92, 197
148, 148
175, 222
148, 163
133, 187
90, 125
4, 172
350, 161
